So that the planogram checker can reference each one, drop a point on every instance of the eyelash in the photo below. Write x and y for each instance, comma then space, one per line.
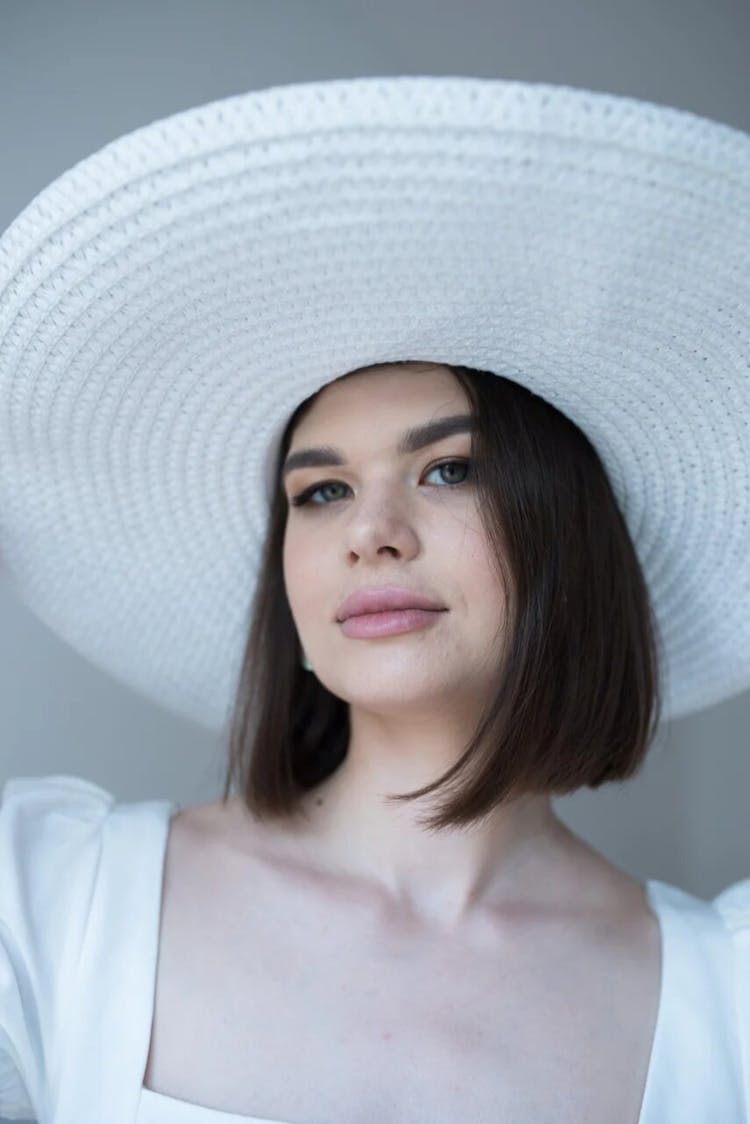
304, 497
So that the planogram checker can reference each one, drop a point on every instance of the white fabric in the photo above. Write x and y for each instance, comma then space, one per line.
80, 897
166, 303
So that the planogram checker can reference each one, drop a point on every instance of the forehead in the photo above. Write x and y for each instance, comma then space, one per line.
397, 396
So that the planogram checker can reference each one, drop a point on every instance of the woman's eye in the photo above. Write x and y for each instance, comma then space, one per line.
462, 466
307, 495
453, 467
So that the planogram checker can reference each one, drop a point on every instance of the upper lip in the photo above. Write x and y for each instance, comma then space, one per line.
380, 599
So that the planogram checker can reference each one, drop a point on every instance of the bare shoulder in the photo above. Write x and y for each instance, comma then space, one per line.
221, 823
219, 840
194, 832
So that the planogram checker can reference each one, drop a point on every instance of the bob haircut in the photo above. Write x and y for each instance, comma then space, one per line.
577, 701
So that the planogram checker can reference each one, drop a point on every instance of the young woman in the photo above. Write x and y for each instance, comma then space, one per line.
469, 593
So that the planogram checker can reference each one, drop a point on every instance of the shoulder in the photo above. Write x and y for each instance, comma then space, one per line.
46, 824
50, 828
229, 827
79, 888
56, 792
733, 906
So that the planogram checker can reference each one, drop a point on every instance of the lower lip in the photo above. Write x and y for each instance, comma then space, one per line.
389, 623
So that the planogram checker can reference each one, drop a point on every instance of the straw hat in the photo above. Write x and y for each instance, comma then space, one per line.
167, 302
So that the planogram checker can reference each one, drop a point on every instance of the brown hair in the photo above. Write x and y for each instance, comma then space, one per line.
577, 700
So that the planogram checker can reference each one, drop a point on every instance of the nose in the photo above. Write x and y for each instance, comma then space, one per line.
380, 523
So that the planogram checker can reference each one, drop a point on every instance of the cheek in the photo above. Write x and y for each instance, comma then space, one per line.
464, 541
290, 560
304, 568
476, 565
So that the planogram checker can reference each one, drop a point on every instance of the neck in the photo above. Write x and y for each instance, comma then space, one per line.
441, 877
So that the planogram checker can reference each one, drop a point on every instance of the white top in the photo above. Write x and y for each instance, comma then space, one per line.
80, 904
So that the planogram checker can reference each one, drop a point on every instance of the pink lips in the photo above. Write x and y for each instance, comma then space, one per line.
386, 611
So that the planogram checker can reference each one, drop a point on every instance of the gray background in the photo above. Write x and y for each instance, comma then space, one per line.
75, 74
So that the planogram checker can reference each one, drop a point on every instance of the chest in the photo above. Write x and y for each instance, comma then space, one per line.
289, 1006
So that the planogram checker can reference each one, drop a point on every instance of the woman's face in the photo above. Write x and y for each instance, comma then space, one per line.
391, 517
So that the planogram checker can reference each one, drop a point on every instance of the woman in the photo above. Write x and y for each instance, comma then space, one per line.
387, 920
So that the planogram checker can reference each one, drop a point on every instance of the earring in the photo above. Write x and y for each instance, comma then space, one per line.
305, 662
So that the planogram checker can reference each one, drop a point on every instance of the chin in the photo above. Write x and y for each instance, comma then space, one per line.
395, 690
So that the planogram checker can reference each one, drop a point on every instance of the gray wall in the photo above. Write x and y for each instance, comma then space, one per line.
76, 73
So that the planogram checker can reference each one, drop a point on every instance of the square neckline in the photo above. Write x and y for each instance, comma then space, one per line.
175, 1110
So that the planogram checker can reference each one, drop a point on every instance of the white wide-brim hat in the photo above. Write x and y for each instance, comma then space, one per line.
166, 303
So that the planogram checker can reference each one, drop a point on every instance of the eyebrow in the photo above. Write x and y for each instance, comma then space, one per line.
414, 439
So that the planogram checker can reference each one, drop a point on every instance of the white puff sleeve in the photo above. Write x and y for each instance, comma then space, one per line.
49, 848
733, 904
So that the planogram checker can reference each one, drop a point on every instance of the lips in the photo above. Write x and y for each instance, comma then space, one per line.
382, 599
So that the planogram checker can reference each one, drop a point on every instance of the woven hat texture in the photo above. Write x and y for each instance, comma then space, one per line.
166, 303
